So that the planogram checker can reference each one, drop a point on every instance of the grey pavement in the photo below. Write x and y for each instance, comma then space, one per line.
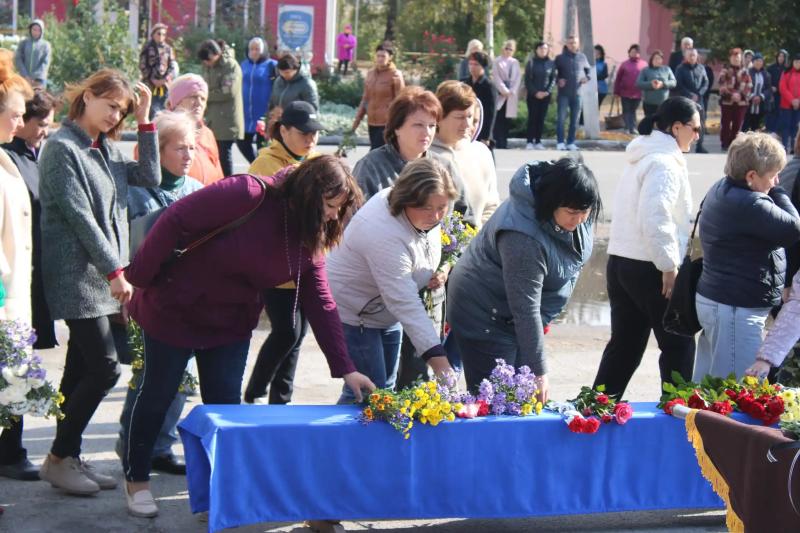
574, 347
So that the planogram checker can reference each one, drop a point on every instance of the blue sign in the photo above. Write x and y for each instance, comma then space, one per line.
294, 27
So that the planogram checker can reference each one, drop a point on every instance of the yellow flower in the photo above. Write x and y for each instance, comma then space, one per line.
445, 239
451, 417
407, 436
750, 381
407, 403
374, 397
527, 409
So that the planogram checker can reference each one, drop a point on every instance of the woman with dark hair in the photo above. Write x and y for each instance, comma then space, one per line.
225, 110
625, 86
540, 79
519, 271
292, 84
655, 81
383, 84
293, 139
601, 67
649, 234
207, 302
83, 191
390, 252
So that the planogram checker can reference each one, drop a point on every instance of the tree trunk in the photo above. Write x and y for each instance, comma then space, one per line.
591, 118
391, 20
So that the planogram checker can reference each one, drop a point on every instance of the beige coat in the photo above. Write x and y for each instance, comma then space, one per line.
507, 78
16, 242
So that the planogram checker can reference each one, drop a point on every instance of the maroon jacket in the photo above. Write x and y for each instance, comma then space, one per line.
212, 295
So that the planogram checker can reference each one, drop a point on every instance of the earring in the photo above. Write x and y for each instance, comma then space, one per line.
750, 184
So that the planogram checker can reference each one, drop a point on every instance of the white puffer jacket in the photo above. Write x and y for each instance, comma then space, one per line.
653, 202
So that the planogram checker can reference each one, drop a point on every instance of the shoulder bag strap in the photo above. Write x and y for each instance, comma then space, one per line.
227, 227
690, 248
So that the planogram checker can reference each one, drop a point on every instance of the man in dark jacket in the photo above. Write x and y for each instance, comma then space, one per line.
692, 82
775, 71
478, 61
760, 97
572, 71
24, 151
677, 57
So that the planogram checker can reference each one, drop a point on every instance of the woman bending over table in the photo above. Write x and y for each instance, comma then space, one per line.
207, 302
391, 251
518, 273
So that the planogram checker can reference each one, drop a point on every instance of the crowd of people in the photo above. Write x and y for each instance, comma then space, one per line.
357, 255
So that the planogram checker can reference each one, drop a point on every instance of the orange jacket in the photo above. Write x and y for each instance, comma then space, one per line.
380, 88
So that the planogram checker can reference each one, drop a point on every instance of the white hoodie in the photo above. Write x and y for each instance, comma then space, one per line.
653, 202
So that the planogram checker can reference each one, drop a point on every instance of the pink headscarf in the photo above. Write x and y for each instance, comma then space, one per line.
186, 85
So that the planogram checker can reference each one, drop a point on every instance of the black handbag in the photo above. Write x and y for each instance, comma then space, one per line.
680, 317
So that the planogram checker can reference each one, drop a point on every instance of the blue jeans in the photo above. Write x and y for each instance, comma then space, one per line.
789, 118
168, 434
220, 371
376, 354
730, 339
573, 105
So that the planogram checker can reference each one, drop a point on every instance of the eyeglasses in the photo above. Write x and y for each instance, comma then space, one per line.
509, 49
696, 129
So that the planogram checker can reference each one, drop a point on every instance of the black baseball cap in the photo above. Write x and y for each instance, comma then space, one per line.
301, 115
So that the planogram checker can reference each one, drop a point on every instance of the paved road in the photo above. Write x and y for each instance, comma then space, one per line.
574, 349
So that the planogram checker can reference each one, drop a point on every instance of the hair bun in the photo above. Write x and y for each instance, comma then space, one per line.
6, 64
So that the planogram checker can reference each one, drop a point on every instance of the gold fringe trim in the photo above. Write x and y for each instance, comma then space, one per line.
710, 472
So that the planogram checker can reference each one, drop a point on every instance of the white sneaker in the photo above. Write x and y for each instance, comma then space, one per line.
561, 146
69, 476
529, 146
104, 481
538, 146
141, 503
572, 147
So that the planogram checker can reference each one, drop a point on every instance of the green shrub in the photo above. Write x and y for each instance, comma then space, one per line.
333, 89
82, 46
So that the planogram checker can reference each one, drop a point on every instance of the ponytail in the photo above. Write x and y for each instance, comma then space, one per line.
672, 110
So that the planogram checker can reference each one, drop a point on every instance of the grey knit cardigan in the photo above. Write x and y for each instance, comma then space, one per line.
84, 197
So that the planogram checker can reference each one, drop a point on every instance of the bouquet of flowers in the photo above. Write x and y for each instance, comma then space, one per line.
23, 387
592, 407
456, 235
510, 391
790, 419
188, 383
430, 402
759, 399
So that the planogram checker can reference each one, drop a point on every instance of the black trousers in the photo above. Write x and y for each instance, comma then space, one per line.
376, 139
277, 358
11, 450
501, 128
246, 145
226, 156
752, 121
343, 64
650, 109
537, 111
637, 308
90, 372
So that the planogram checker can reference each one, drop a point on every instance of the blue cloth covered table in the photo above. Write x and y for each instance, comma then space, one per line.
256, 463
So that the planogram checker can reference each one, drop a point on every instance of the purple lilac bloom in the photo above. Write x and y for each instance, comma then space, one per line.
486, 391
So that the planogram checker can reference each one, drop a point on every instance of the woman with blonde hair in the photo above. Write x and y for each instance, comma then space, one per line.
84, 185
746, 222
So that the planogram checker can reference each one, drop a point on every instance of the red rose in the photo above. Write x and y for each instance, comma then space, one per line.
623, 412
602, 399
724, 408
672, 403
469, 410
757, 410
775, 406
607, 418
591, 425
697, 402
731, 394
483, 408
576, 424
587, 411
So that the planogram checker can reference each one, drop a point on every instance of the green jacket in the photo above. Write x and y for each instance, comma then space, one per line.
301, 87
645, 83
225, 111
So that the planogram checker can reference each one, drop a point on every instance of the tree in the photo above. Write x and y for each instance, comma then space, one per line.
719, 25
